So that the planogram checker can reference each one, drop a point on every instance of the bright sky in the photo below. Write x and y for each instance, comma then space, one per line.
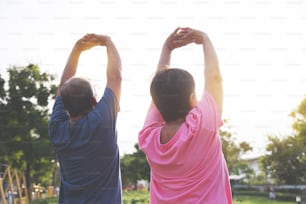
261, 45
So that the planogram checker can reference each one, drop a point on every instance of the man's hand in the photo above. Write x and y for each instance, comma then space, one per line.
91, 40
86, 42
102, 40
178, 38
189, 35
197, 36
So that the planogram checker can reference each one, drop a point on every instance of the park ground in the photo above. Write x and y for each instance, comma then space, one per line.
136, 197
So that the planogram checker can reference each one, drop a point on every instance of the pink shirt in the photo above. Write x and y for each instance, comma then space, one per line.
190, 168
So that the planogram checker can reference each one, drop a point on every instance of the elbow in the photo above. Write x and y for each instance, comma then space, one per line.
114, 74
214, 76
119, 78
116, 77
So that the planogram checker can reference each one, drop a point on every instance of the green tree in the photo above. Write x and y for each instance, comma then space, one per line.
234, 151
299, 125
24, 113
285, 160
282, 161
134, 167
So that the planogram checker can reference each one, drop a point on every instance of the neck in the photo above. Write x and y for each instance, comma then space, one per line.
170, 129
75, 119
176, 122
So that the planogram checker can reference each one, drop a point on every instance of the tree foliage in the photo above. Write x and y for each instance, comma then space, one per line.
234, 151
134, 167
286, 158
24, 113
283, 162
299, 124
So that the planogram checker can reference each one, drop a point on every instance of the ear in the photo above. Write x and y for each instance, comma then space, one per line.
94, 101
193, 100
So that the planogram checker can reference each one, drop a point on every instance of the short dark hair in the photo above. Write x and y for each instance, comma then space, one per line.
171, 90
77, 96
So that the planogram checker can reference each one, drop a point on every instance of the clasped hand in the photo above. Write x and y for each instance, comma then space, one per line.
183, 36
91, 40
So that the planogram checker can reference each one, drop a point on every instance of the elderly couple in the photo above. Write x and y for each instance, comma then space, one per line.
179, 137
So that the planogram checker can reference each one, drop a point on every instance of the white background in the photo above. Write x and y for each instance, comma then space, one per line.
261, 46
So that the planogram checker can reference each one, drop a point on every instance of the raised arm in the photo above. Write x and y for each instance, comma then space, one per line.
213, 77
212, 74
173, 41
72, 63
113, 70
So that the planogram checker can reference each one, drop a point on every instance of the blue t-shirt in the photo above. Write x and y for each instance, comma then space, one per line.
88, 153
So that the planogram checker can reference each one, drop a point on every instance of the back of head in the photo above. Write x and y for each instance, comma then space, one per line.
77, 96
171, 90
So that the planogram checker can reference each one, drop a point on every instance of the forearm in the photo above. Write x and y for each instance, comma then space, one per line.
165, 58
211, 70
113, 70
70, 68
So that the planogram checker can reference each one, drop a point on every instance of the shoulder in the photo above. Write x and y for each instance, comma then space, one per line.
148, 137
58, 101
108, 100
106, 110
206, 113
59, 113
208, 104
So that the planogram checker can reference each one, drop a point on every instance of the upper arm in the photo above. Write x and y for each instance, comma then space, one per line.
59, 113
108, 104
213, 84
211, 112
115, 85
212, 74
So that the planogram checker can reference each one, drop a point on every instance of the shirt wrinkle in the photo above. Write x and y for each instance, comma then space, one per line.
88, 153
190, 168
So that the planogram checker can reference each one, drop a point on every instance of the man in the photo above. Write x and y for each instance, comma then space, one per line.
83, 131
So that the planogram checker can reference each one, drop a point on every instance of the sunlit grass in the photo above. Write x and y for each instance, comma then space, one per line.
257, 200
133, 197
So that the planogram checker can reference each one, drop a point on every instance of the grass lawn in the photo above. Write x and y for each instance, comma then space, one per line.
258, 200
134, 197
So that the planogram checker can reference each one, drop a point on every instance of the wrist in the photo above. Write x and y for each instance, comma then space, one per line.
204, 37
106, 41
77, 49
167, 48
